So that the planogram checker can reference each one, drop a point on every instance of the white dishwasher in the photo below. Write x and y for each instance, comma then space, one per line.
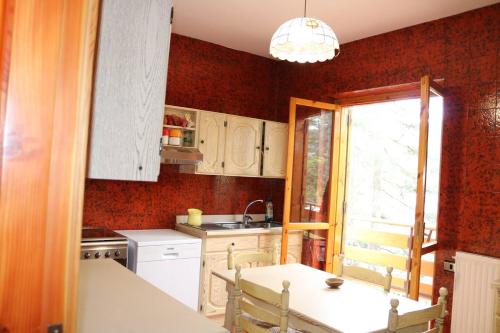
168, 259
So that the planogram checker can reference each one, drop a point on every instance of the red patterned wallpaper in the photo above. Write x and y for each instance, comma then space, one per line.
464, 50
209, 77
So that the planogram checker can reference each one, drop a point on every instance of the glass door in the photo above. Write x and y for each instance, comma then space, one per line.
312, 172
392, 179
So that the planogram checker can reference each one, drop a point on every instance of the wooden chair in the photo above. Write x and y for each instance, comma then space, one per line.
418, 318
249, 317
252, 257
367, 275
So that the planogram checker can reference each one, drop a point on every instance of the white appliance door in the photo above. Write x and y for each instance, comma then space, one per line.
178, 278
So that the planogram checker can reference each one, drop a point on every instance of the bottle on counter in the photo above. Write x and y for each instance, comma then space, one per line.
269, 210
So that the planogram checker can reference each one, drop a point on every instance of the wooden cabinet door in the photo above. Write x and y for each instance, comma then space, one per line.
243, 146
129, 89
275, 149
211, 141
214, 295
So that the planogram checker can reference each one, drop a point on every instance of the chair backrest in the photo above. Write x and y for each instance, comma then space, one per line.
410, 319
367, 275
251, 257
275, 314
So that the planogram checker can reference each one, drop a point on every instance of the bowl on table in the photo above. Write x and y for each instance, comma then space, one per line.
334, 282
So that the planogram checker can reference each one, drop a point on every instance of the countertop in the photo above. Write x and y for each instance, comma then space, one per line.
158, 237
186, 228
112, 299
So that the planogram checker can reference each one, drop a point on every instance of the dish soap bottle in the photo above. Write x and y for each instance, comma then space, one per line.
269, 210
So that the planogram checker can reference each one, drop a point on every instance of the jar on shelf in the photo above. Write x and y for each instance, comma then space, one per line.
175, 138
165, 136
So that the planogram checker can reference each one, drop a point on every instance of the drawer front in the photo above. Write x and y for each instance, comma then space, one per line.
168, 252
220, 244
266, 241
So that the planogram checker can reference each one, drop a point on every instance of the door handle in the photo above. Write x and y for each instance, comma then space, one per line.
171, 255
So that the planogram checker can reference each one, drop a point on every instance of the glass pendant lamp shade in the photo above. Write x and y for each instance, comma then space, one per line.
304, 39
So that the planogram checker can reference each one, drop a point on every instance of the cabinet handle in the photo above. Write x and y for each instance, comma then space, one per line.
232, 243
258, 147
267, 148
202, 141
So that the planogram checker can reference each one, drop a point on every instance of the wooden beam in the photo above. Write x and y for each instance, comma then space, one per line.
376, 257
418, 228
378, 95
429, 247
341, 188
308, 226
288, 180
316, 104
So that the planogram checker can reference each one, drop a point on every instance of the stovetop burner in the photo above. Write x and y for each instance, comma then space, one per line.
99, 234
101, 243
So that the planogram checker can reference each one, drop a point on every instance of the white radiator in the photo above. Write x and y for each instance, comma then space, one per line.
473, 294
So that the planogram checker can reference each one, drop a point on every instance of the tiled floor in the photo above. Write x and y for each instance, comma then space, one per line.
218, 319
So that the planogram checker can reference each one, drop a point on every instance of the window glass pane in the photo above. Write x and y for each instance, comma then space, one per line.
311, 165
433, 167
381, 186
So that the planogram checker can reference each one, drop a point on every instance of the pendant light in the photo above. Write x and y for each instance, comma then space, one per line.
304, 39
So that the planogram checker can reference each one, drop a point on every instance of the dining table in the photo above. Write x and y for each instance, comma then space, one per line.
354, 307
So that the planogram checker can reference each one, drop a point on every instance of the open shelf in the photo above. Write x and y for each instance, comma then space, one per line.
187, 147
180, 127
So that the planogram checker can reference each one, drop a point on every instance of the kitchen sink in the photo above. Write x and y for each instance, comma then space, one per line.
251, 225
238, 225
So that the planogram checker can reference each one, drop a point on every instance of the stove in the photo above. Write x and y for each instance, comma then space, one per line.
103, 244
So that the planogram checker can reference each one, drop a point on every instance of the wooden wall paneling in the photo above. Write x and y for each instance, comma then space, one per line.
43, 160
131, 76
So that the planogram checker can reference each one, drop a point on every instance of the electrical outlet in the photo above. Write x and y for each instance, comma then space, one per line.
449, 265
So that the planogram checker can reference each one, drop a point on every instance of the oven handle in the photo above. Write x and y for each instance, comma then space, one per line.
170, 255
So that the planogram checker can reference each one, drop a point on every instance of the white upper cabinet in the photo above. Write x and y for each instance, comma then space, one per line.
129, 89
243, 146
211, 142
275, 149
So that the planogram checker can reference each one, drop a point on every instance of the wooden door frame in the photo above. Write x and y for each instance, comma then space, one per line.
333, 188
45, 97
427, 88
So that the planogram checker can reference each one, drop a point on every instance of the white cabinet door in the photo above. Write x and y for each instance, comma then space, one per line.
275, 149
211, 141
243, 146
129, 89
178, 278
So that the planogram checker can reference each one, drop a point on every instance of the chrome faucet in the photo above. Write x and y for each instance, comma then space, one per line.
247, 218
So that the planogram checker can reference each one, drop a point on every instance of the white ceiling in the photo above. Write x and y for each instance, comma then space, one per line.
248, 25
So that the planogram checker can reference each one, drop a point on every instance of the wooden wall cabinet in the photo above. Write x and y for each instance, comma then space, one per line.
275, 149
211, 142
243, 146
240, 146
129, 89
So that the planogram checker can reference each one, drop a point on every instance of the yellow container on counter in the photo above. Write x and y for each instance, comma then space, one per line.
194, 217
